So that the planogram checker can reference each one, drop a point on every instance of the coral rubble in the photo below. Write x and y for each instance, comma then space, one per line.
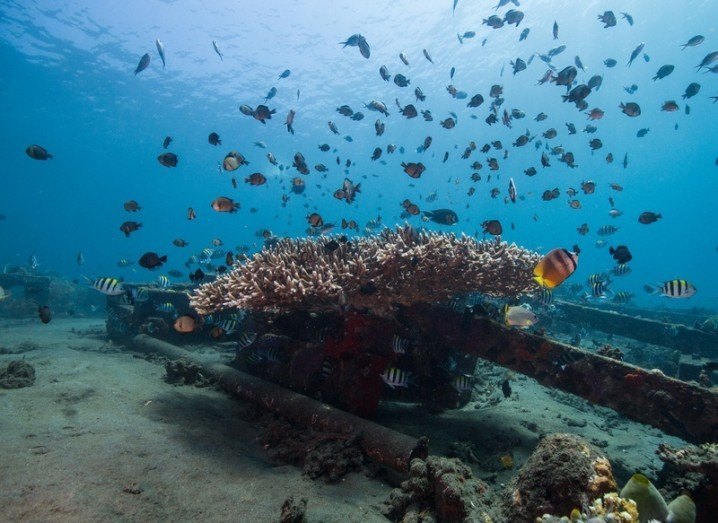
401, 267
17, 375
439, 489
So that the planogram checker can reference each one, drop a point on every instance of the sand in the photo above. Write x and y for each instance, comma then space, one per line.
99, 425
100, 436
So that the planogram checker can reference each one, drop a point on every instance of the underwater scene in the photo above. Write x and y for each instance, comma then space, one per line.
440, 261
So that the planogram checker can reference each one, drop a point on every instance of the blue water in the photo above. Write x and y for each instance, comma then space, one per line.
67, 84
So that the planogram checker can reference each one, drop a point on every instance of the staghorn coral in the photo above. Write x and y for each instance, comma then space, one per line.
401, 267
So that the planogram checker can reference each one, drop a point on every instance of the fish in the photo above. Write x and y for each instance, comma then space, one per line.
621, 269
191, 215
492, 227
233, 161
108, 286
608, 19
555, 30
224, 204
163, 281
216, 50
648, 217
284, 74
693, 41
692, 89
610, 62
663, 71
524, 34
442, 216
263, 113
708, 59
676, 289
143, 63
197, 276
80, 259
520, 316
37, 152
630, 109
161, 51
255, 179
635, 53
415, 170
179, 242
506, 388
512, 190
131, 206
427, 56
270, 94
44, 313
168, 159
213, 139
555, 268
129, 227
166, 142
395, 377
607, 230
151, 260
623, 297
462, 383
186, 324
621, 254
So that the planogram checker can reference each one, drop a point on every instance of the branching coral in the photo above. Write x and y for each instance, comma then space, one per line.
401, 267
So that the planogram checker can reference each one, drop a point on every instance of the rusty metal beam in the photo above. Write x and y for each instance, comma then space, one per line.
680, 337
676, 407
383, 445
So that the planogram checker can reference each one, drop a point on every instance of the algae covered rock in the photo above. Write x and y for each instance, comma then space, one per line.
17, 375
563, 473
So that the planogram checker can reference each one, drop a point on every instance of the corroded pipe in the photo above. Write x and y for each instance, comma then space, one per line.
385, 446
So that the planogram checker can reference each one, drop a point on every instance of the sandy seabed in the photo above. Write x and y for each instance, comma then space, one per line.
101, 436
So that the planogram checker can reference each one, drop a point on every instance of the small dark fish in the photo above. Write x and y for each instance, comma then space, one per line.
694, 41
524, 34
37, 153
442, 216
628, 18
635, 53
506, 388
608, 19
384, 73
168, 159
213, 139
691, 90
129, 227
426, 55
151, 260
555, 31
143, 64
44, 313
621, 254
610, 62
285, 74
648, 217
492, 227
167, 141
663, 72
216, 50
631, 109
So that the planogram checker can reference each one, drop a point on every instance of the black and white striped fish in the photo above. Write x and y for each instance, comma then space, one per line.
462, 383
395, 377
399, 345
623, 297
545, 296
607, 230
676, 289
108, 286
622, 269
246, 339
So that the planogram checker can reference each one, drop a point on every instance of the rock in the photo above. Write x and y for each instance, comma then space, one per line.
17, 375
563, 473
293, 511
